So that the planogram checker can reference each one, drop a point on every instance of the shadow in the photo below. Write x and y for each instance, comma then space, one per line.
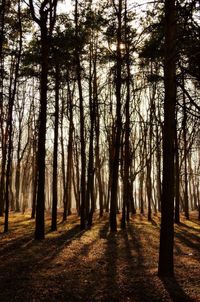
142, 217
84, 280
89, 266
154, 223
134, 234
72, 220
196, 221
51, 246
186, 239
55, 245
184, 225
112, 291
177, 249
142, 280
175, 291
16, 225
27, 240
14, 244
103, 232
28, 259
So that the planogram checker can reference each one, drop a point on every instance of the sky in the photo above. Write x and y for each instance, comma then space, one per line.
64, 6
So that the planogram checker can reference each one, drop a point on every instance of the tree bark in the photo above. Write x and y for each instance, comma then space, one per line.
166, 261
12, 94
118, 126
55, 151
82, 126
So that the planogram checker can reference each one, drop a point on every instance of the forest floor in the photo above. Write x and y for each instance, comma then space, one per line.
95, 265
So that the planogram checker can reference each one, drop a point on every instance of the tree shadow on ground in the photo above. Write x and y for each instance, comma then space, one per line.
175, 291
155, 223
142, 280
186, 239
126, 277
89, 266
35, 262
189, 227
26, 255
111, 258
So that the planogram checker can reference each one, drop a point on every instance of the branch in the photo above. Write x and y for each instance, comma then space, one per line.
33, 13
188, 95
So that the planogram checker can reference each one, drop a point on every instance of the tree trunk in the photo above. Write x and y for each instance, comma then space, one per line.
82, 125
166, 262
12, 93
177, 180
69, 156
127, 159
3, 143
158, 166
40, 206
118, 126
55, 152
184, 123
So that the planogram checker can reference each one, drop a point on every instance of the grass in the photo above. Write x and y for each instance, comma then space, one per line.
95, 265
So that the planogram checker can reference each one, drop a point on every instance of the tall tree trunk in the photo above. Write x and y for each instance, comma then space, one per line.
166, 262
76, 180
3, 143
158, 166
118, 125
63, 161
69, 156
2, 180
177, 180
34, 180
82, 124
184, 123
97, 133
55, 151
149, 186
127, 161
12, 93
40, 204
46, 24
18, 171
98, 162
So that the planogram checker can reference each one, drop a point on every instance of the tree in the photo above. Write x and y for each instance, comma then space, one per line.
82, 120
118, 122
127, 159
166, 263
55, 151
9, 127
46, 22
3, 143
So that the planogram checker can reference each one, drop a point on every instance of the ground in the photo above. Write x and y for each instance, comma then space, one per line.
95, 265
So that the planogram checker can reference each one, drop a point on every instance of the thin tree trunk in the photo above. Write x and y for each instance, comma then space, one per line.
12, 93
186, 201
118, 126
40, 205
55, 152
126, 177
69, 156
82, 125
177, 180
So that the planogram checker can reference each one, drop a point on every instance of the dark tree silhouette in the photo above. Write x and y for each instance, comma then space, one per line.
46, 21
166, 263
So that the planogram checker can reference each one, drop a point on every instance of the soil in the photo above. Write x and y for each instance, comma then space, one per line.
96, 265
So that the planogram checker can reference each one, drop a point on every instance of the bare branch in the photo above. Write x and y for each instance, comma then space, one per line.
33, 13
